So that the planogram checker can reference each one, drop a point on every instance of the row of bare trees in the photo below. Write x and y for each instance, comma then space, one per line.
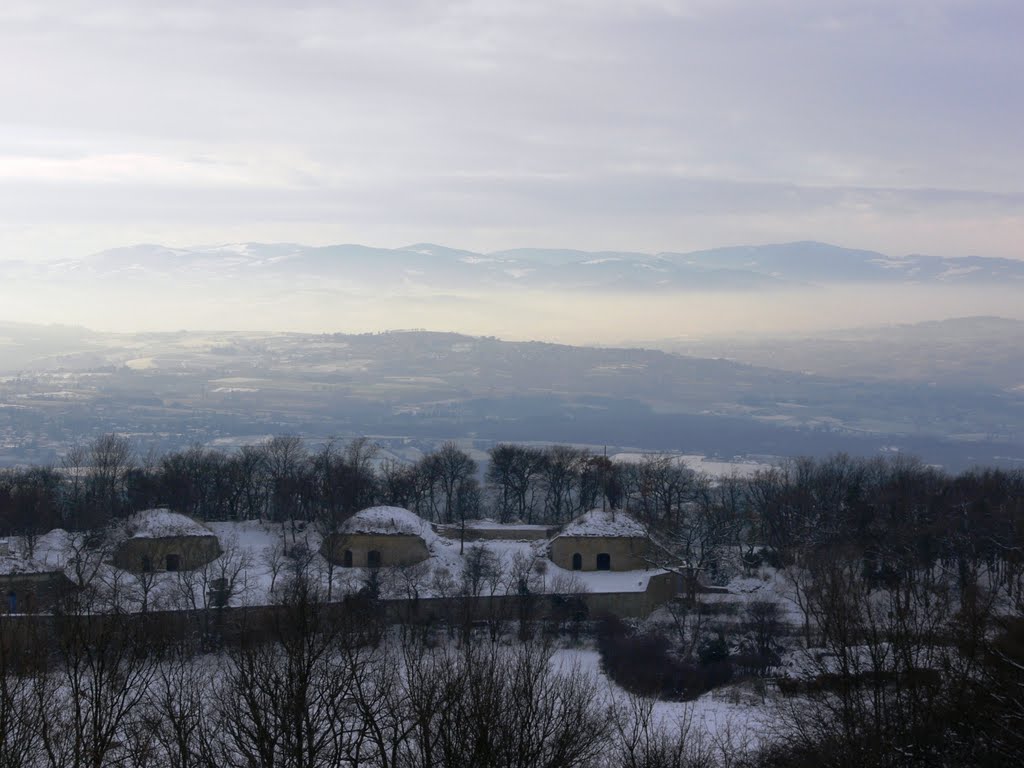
925, 668
310, 686
786, 510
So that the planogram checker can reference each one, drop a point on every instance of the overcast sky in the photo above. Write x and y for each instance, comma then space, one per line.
599, 124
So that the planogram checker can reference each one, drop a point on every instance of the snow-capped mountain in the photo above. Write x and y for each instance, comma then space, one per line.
429, 266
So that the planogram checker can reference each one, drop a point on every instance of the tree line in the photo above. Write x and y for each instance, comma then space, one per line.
897, 513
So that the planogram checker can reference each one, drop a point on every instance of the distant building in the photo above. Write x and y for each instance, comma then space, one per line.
602, 541
30, 586
379, 536
161, 540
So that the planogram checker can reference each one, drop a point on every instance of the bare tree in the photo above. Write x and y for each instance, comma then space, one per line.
275, 560
289, 701
86, 554
21, 655
562, 470
216, 583
449, 469
174, 718
400, 485
87, 699
111, 458
286, 462
514, 472
74, 465
642, 740
510, 708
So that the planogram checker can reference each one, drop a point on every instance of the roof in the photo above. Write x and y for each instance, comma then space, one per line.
161, 524
605, 524
386, 521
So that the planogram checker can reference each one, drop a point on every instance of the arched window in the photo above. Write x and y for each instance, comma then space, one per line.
604, 562
173, 562
373, 559
577, 562
346, 559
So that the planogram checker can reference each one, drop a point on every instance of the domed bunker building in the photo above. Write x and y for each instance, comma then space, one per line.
379, 536
602, 541
161, 540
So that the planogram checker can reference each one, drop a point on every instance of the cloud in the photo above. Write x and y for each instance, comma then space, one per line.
469, 122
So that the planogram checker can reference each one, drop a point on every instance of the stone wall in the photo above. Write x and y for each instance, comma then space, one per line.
661, 589
158, 554
504, 533
392, 549
251, 623
626, 553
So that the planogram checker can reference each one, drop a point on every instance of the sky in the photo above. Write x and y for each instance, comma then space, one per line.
647, 125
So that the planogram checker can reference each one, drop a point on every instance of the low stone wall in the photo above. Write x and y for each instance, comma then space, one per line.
592, 605
505, 533
232, 625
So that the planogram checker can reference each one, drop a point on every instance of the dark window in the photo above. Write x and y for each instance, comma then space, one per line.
346, 559
373, 559
173, 562
577, 562
604, 562
12, 602
147, 564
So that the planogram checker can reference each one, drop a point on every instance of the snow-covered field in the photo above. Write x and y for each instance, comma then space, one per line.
700, 463
735, 714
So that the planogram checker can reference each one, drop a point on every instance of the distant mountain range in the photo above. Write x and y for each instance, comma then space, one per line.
433, 266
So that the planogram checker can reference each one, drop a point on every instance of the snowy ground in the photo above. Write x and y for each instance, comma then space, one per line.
700, 463
254, 556
734, 713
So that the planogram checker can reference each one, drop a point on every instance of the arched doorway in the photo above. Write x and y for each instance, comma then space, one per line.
577, 562
604, 562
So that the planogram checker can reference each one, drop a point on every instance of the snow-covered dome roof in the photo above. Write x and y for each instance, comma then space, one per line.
610, 524
386, 521
162, 523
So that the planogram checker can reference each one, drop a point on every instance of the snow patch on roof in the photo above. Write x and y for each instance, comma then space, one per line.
162, 523
610, 523
388, 521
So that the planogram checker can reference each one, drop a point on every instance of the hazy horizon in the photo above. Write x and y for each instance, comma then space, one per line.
524, 316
